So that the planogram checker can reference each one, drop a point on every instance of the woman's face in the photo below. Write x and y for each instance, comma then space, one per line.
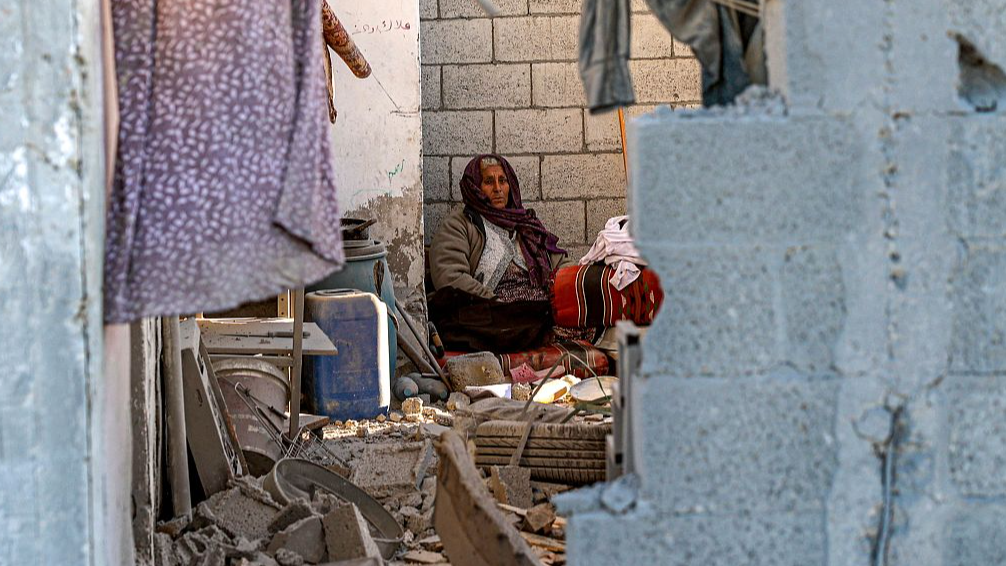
495, 185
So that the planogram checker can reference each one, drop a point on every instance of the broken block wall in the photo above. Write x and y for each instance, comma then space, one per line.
510, 85
834, 262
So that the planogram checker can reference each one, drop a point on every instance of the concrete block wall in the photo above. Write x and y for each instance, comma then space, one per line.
835, 272
510, 85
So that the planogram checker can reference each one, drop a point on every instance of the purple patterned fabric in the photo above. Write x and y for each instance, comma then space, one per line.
536, 241
224, 191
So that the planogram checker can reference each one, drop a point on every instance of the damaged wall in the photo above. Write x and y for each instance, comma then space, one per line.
61, 502
377, 139
510, 85
825, 383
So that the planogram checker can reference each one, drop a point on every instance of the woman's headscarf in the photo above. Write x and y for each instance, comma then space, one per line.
536, 241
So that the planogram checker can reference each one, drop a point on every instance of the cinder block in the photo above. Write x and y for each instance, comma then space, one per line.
433, 215
536, 38
976, 177
454, 132
471, 9
813, 296
736, 446
428, 9
816, 68
347, 535
979, 303
789, 180
591, 175
538, 131
431, 87
557, 85
599, 211
681, 50
487, 86
667, 80
650, 39
783, 539
305, 537
974, 536
602, 131
456, 41
556, 6
718, 317
436, 179
977, 411
566, 219
528, 170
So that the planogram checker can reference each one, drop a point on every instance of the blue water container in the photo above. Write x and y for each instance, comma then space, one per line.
366, 269
356, 383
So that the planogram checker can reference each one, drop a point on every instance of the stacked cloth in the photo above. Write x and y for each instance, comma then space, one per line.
586, 298
614, 246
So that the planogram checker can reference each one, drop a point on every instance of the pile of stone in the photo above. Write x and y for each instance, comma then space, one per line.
245, 526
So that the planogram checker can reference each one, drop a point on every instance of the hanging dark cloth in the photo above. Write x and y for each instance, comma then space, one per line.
224, 190
728, 45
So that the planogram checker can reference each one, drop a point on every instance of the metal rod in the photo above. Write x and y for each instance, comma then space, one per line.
410, 352
174, 401
424, 344
298, 361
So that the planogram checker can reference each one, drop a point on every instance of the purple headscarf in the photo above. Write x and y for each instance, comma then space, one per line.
536, 241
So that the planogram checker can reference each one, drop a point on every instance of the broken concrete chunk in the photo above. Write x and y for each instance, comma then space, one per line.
241, 511
395, 416
424, 557
458, 400
511, 485
414, 499
521, 391
347, 535
539, 519
412, 406
417, 521
175, 526
392, 468
286, 557
478, 368
305, 537
297, 509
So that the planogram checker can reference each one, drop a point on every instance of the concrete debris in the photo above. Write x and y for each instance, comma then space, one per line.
479, 368
424, 557
363, 432
539, 519
511, 485
390, 469
381, 418
458, 400
347, 535
412, 406
305, 537
431, 543
286, 557
242, 510
521, 391
395, 417
295, 511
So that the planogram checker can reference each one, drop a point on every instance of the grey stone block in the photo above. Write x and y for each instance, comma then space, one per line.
347, 535
814, 304
538, 131
433, 215
592, 175
719, 540
736, 446
718, 317
528, 170
667, 80
456, 41
650, 39
598, 213
428, 9
454, 132
979, 303
305, 537
557, 85
790, 180
977, 427
565, 219
536, 38
975, 536
487, 86
555, 6
431, 87
602, 132
436, 179
471, 9
976, 176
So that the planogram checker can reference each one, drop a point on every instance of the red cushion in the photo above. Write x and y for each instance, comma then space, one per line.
585, 298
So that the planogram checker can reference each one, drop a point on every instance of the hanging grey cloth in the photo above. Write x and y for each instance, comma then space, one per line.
728, 45
224, 191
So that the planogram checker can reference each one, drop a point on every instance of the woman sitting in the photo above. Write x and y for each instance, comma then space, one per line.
492, 265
